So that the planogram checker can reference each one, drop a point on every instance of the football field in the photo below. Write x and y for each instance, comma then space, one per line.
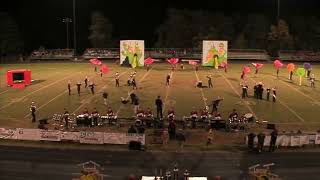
296, 105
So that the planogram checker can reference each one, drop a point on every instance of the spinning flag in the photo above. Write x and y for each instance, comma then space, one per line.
95, 61
306, 66
277, 64
173, 61
290, 67
104, 69
245, 71
148, 61
300, 72
257, 66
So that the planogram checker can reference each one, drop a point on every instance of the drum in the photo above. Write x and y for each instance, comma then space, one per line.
249, 117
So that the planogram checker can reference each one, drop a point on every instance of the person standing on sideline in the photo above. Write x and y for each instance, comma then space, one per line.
159, 104
78, 87
117, 76
261, 138
92, 87
66, 118
268, 93
168, 79
136, 105
105, 98
69, 87
86, 82
33, 109
273, 140
274, 94
210, 81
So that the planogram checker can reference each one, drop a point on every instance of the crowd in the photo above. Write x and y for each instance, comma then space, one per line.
52, 53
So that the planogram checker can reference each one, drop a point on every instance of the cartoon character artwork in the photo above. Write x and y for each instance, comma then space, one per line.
214, 53
132, 53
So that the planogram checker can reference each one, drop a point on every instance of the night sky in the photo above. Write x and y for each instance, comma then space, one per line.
40, 21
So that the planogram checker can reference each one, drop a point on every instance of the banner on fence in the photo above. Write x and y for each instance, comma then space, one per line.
8, 133
114, 138
70, 136
87, 137
317, 140
28, 134
135, 137
295, 141
50, 135
304, 140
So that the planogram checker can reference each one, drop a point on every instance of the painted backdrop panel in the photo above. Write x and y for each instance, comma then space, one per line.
132, 53
214, 53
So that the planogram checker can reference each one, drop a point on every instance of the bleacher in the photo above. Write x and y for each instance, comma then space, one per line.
157, 53
103, 53
248, 54
52, 54
289, 55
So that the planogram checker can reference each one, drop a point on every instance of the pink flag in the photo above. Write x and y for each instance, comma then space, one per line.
95, 61
148, 61
104, 69
245, 70
257, 65
277, 64
173, 61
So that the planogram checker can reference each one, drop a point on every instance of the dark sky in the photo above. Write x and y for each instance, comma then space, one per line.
40, 21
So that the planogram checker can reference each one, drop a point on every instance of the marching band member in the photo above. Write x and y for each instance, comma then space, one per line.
117, 76
148, 113
204, 114
140, 113
95, 116
110, 112
233, 116
33, 111
193, 116
274, 94
69, 87
217, 116
66, 118
171, 114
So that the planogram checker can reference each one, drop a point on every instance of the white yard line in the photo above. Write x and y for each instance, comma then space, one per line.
201, 90
143, 77
102, 88
248, 107
31, 84
53, 83
297, 90
56, 97
285, 105
167, 92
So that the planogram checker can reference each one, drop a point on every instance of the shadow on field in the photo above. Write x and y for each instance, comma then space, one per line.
38, 81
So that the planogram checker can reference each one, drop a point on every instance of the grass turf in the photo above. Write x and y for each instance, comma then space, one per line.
295, 104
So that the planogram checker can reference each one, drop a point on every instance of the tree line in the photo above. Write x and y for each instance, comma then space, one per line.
187, 29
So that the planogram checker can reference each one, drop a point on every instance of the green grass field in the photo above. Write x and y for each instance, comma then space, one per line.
296, 104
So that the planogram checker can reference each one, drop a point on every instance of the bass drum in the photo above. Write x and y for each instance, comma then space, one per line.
249, 117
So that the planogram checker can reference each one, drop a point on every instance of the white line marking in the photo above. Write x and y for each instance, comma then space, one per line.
248, 107
201, 90
39, 89
143, 77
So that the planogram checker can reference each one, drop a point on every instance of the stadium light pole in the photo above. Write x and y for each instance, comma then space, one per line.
74, 27
67, 21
